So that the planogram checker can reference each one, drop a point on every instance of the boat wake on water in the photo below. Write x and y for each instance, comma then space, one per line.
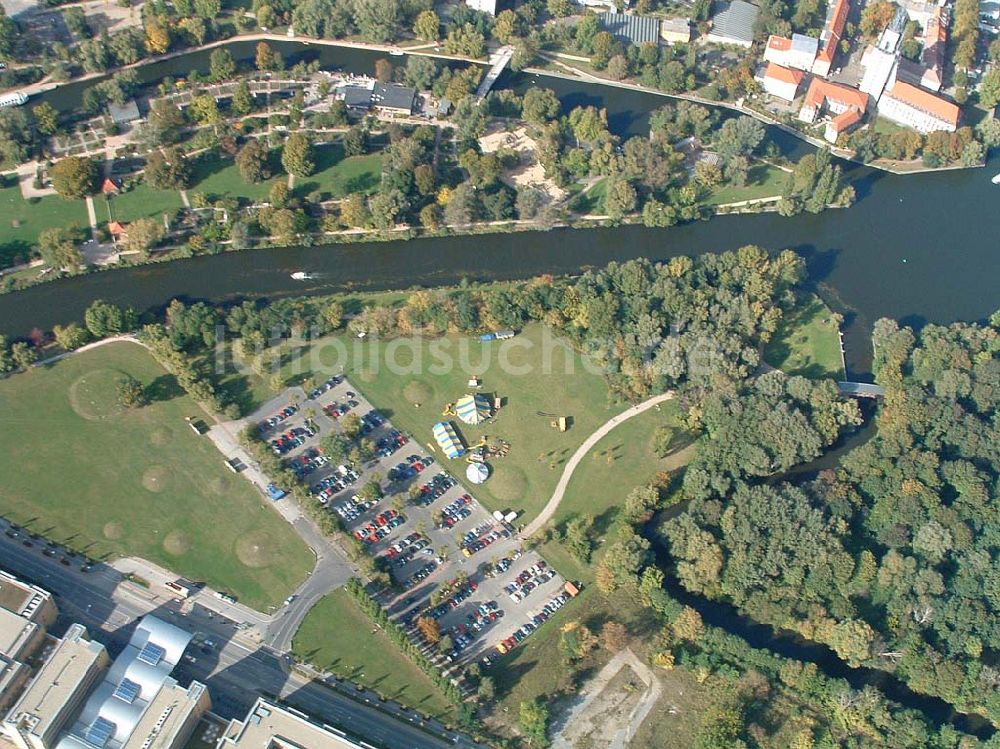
301, 275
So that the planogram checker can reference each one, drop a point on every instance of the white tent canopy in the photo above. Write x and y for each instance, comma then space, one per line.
477, 473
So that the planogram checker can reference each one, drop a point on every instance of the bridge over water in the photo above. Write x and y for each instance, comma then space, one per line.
498, 61
861, 389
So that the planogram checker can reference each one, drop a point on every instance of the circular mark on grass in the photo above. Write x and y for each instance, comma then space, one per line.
219, 486
254, 549
161, 436
177, 543
418, 392
94, 395
508, 483
154, 478
113, 531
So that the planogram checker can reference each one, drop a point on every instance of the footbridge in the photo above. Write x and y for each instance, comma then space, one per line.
498, 61
861, 389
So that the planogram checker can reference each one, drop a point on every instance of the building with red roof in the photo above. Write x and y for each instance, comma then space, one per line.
836, 100
921, 110
780, 81
833, 32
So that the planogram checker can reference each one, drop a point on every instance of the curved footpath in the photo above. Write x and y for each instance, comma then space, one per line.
581, 452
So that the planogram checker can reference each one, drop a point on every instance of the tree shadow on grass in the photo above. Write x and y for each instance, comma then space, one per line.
362, 183
163, 388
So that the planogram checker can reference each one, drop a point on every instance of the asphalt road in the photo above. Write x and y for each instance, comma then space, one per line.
234, 669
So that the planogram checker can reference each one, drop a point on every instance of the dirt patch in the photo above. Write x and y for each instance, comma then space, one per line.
94, 395
528, 173
219, 485
610, 707
254, 550
161, 436
177, 543
418, 392
155, 478
113, 531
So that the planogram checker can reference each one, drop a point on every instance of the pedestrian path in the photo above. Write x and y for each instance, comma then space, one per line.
581, 452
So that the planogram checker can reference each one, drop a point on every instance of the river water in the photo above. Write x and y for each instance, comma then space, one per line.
918, 248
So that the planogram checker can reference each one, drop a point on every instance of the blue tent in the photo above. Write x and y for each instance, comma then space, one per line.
448, 440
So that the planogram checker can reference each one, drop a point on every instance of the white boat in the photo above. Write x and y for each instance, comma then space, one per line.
996, 180
396, 52
301, 276
15, 99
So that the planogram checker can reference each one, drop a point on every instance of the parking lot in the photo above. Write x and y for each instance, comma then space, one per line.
431, 532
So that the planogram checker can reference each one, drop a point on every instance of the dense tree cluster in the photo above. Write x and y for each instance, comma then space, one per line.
888, 558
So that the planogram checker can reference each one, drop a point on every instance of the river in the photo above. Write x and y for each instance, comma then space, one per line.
918, 248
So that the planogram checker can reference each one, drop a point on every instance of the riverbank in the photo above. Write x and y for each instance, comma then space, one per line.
21, 275
432, 50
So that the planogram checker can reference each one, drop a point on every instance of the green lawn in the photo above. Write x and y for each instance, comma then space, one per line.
21, 221
108, 482
405, 375
807, 342
219, 176
592, 201
338, 177
764, 181
337, 636
885, 126
139, 202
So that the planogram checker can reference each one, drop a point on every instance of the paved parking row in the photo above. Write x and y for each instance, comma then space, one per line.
433, 535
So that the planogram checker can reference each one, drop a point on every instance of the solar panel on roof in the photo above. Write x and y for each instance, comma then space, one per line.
100, 732
152, 653
127, 691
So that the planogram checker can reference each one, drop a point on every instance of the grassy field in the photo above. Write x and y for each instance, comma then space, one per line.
139, 202
807, 342
219, 176
21, 222
81, 470
396, 377
765, 181
620, 462
337, 176
337, 636
592, 202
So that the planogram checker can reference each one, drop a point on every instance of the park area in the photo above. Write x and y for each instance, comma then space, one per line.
108, 481
338, 637
139, 202
404, 380
626, 458
807, 342
21, 221
337, 176
763, 181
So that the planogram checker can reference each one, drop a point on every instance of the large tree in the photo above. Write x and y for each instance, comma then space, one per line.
221, 64
144, 234
253, 162
58, 249
296, 156
378, 19
74, 177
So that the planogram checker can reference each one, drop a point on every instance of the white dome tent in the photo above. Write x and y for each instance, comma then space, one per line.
477, 473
